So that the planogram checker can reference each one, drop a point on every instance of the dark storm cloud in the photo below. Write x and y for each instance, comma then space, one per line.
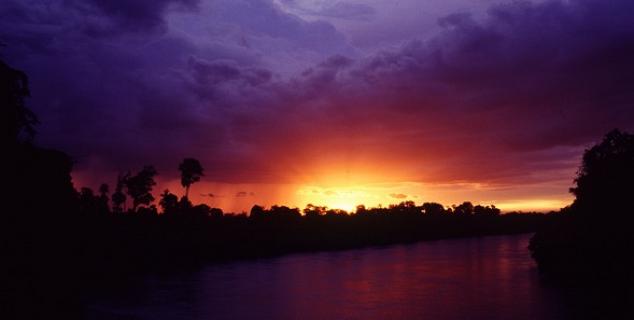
514, 97
130, 15
528, 80
96, 18
208, 75
263, 17
116, 97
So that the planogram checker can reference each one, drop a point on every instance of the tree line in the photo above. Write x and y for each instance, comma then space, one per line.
138, 187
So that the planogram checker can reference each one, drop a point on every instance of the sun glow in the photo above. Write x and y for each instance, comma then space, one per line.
346, 198
350, 196
533, 204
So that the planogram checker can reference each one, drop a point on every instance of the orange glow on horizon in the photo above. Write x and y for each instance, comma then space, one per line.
351, 188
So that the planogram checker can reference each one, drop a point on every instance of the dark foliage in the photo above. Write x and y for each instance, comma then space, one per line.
605, 181
36, 235
191, 172
139, 187
169, 203
17, 119
591, 242
119, 197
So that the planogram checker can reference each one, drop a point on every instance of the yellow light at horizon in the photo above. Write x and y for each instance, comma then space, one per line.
373, 195
343, 198
532, 204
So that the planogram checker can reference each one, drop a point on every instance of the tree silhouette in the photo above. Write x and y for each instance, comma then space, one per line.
257, 212
361, 209
604, 180
119, 197
433, 208
103, 198
314, 211
201, 210
191, 171
464, 209
216, 213
480, 210
168, 202
184, 204
16, 117
592, 240
87, 201
104, 190
284, 213
31, 168
139, 187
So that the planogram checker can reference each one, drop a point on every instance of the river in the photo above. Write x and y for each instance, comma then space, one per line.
475, 278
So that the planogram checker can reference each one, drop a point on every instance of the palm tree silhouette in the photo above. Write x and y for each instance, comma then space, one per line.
191, 171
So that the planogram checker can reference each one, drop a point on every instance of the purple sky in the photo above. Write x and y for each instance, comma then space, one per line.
288, 99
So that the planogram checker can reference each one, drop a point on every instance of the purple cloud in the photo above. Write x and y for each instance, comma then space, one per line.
511, 98
337, 9
130, 15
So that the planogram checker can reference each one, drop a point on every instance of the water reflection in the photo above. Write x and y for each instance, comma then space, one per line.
479, 278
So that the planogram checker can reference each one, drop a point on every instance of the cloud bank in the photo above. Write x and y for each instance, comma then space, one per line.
260, 95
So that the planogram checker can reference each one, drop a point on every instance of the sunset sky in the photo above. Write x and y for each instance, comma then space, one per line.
329, 102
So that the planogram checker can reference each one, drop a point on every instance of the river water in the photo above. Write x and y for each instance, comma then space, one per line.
474, 278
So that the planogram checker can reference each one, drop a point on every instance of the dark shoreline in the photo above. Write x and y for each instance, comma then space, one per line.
108, 247
159, 240
55, 263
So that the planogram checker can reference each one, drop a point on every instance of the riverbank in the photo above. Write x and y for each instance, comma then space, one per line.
52, 260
